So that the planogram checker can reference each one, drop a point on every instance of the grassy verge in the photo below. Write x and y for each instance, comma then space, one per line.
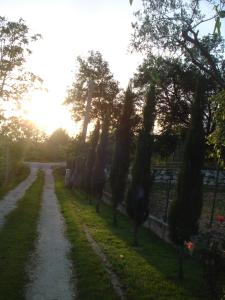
147, 272
20, 174
92, 281
16, 242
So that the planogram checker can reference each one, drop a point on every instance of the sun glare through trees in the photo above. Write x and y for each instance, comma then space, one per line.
112, 149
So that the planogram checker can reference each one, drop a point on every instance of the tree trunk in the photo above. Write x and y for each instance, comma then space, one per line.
135, 234
98, 202
115, 221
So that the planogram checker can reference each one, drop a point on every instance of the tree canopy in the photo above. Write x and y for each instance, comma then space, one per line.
104, 88
14, 49
175, 83
173, 26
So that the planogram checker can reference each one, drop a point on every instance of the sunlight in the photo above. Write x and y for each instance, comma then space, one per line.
49, 114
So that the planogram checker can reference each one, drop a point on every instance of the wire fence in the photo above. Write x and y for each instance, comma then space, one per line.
163, 192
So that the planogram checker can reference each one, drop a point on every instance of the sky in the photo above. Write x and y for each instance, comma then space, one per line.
70, 28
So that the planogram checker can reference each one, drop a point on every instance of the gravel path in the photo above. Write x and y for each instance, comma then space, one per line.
9, 202
50, 270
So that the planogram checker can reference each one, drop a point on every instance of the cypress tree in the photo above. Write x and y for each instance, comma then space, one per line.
185, 210
121, 156
77, 163
98, 174
91, 157
138, 193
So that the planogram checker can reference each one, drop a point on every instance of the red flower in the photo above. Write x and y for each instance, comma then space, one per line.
189, 245
220, 218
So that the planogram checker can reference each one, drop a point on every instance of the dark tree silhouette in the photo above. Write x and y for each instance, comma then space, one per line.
121, 156
98, 174
91, 158
138, 193
186, 208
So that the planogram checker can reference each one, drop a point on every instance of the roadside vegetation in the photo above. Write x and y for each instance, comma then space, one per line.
92, 281
20, 174
17, 239
146, 272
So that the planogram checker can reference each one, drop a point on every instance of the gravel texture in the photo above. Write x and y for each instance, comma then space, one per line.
9, 202
50, 269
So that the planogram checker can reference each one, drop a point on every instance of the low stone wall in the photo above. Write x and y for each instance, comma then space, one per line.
163, 175
156, 225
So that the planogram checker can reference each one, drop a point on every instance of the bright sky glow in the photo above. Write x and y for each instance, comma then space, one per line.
71, 28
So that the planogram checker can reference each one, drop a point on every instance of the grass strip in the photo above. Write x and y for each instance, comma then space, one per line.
20, 174
93, 282
17, 239
148, 272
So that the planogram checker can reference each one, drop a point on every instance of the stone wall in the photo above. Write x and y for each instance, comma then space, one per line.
163, 175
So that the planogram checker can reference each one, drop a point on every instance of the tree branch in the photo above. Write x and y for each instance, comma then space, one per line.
194, 41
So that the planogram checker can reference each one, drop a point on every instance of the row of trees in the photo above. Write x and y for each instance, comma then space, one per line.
179, 93
117, 136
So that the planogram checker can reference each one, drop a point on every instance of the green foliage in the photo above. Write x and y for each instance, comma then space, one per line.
209, 246
16, 176
89, 269
104, 88
146, 272
220, 15
20, 140
57, 145
121, 156
15, 134
217, 138
175, 83
186, 208
17, 240
174, 26
15, 40
165, 144
138, 193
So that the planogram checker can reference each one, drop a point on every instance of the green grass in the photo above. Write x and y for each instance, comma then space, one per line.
92, 281
19, 175
147, 272
16, 242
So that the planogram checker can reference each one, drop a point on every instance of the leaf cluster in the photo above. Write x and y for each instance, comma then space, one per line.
14, 49
104, 88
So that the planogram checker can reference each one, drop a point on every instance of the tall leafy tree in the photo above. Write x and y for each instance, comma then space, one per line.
121, 156
94, 81
175, 26
138, 193
186, 208
104, 88
175, 82
98, 174
14, 48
